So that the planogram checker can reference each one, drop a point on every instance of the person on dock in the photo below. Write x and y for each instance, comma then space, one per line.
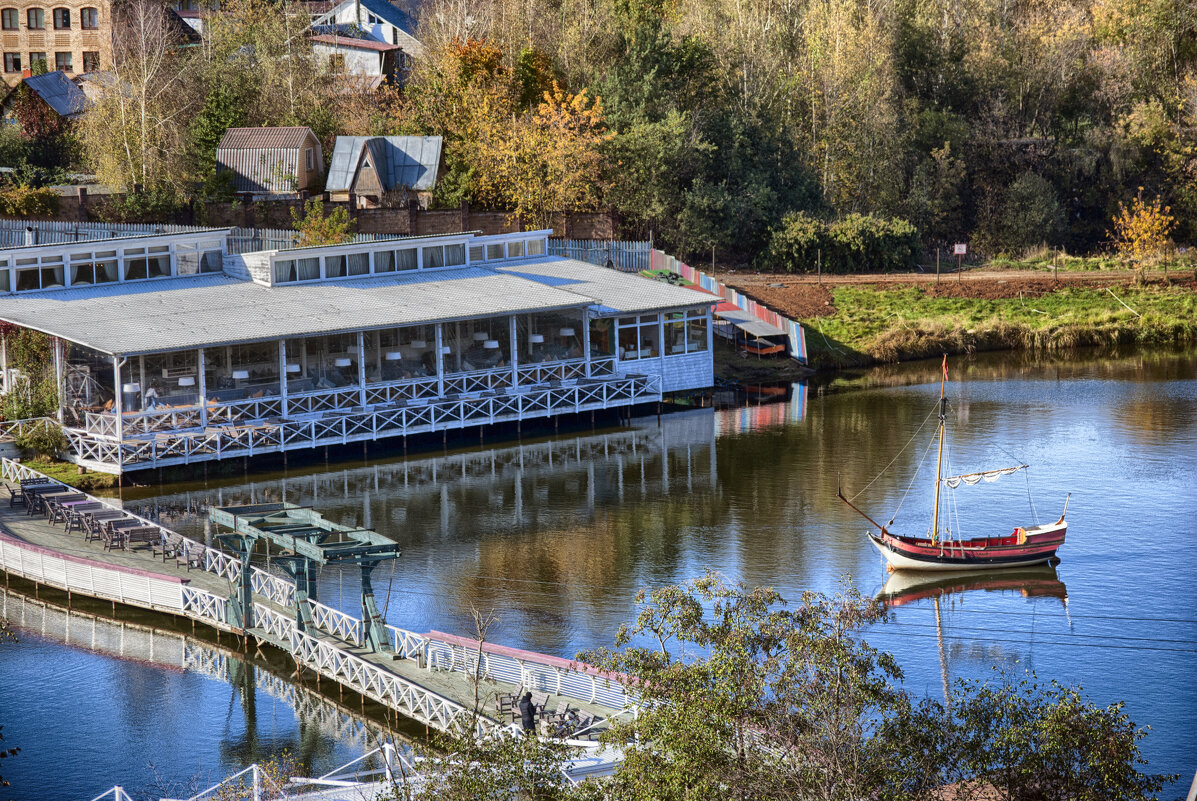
527, 712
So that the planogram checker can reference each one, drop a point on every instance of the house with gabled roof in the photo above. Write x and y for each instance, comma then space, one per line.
384, 170
378, 20
54, 89
271, 161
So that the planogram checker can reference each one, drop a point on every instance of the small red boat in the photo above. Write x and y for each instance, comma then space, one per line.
1027, 545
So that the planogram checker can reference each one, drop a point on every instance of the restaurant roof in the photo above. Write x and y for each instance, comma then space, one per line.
208, 311
615, 292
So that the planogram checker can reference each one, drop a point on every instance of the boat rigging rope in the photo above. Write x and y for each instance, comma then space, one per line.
1031, 499
913, 478
899, 454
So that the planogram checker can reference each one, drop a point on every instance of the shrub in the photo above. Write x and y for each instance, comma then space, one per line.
45, 438
857, 243
24, 201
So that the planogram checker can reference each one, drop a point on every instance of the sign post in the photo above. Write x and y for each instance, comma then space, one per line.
959, 250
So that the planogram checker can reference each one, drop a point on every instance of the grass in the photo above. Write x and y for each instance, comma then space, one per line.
874, 325
68, 473
1044, 259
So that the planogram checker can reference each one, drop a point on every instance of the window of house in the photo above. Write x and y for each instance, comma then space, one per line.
476, 253
685, 332
434, 257
494, 251
359, 263
405, 259
290, 270
32, 276
36, 18
12, 62
62, 61
334, 266
37, 63
638, 337
454, 255
535, 247
10, 19
89, 19
309, 158
62, 18
370, 18
91, 61
211, 256
93, 268
336, 62
141, 263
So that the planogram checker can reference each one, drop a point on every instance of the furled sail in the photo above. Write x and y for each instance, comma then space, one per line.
976, 478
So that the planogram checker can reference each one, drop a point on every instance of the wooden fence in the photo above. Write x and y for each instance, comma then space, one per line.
627, 257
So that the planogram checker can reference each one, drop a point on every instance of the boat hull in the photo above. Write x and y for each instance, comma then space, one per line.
1039, 546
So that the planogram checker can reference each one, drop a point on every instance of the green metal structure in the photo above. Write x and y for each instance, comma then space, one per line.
305, 542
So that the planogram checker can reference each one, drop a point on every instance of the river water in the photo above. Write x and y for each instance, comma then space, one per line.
558, 534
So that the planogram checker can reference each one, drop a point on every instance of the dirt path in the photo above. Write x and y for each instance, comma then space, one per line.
803, 296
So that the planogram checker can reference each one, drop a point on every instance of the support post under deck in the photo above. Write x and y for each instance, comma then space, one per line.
374, 627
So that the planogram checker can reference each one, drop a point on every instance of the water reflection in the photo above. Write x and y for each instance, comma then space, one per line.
907, 587
157, 680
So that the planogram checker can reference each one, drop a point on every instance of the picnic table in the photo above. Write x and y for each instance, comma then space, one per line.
114, 531
75, 512
34, 492
54, 504
93, 522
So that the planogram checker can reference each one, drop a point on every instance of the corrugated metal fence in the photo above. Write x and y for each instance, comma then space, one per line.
796, 336
627, 257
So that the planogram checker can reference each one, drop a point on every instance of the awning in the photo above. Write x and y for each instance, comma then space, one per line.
746, 322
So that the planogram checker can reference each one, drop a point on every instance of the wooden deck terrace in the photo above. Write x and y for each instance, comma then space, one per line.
273, 425
428, 678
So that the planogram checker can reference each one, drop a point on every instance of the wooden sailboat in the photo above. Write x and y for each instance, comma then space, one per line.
1027, 545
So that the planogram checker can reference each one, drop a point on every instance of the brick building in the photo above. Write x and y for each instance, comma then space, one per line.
74, 36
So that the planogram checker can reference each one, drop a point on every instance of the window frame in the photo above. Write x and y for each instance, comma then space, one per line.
13, 14
29, 12
64, 61
64, 15
83, 18
94, 59
12, 62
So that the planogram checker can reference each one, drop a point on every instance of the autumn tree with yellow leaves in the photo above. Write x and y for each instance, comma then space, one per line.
1141, 230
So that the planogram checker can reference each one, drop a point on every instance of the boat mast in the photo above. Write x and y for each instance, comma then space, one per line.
943, 404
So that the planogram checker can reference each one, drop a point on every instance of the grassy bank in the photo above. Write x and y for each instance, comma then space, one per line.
881, 325
68, 473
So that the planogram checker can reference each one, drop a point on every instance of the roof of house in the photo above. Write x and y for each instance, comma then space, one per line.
264, 138
213, 310
354, 43
59, 92
401, 161
391, 13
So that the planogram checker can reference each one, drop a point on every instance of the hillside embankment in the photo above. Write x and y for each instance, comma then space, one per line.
856, 320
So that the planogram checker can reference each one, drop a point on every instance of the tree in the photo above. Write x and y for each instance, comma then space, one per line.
1050, 744
317, 228
745, 696
134, 133
1141, 230
30, 353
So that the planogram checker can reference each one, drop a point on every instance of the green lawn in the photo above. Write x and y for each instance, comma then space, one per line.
885, 325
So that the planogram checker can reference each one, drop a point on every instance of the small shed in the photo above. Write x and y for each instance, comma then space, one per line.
271, 161
58, 92
384, 170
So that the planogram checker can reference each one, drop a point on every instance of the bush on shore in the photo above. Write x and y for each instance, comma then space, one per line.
858, 243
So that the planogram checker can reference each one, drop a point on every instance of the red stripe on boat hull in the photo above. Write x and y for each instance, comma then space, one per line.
977, 554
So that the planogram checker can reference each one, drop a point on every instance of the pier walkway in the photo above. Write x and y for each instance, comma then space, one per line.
429, 678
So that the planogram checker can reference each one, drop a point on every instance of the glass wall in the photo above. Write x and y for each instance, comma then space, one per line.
550, 337
477, 344
685, 332
237, 372
602, 338
167, 379
395, 354
328, 362
88, 383
638, 337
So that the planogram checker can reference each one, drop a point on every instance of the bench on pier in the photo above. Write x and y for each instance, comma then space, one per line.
142, 535
15, 496
168, 545
190, 555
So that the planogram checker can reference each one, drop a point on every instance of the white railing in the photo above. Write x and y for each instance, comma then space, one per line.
474, 404
387, 688
336, 623
408, 644
16, 428
204, 605
108, 582
275, 588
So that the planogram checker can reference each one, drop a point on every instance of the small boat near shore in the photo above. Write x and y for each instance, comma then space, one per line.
938, 550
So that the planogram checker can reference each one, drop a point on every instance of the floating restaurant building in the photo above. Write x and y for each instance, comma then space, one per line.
169, 349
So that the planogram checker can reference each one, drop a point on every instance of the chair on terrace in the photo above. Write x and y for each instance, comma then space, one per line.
190, 555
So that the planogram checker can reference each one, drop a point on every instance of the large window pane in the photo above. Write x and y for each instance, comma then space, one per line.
406, 259
454, 255
171, 379
401, 353
434, 257
638, 338
359, 264
241, 371
486, 344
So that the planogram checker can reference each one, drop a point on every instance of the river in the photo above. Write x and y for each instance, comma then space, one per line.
558, 534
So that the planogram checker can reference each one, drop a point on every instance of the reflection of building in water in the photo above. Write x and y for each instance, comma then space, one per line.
169, 650
496, 487
788, 405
